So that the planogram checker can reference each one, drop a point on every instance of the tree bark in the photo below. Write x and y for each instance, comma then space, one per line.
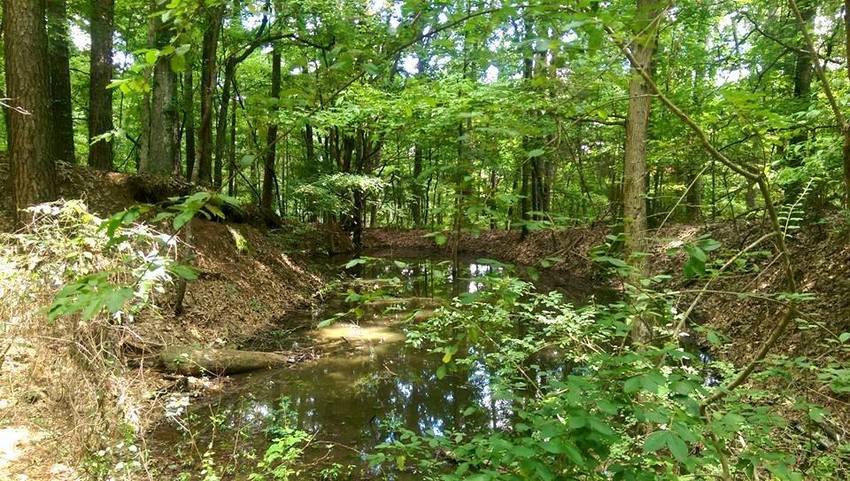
271, 143
846, 149
637, 126
189, 120
163, 154
190, 361
100, 76
209, 79
417, 185
221, 131
231, 153
803, 74
59, 69
32, 171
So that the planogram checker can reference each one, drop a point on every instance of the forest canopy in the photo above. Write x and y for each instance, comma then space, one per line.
385, 113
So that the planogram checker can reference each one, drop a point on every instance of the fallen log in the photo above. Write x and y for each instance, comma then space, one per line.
374, 283
406, 302
192, 361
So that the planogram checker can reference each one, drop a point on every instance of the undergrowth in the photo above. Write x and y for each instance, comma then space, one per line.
610, 409
68, 375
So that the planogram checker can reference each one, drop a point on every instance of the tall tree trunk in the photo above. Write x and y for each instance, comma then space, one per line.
32, 171
803, 74
221, 127
417, 186
100, 76
637, 126
231, 153
271, 143
59, 69
163, 154
309, 150
189, 120
846, 150
208, 86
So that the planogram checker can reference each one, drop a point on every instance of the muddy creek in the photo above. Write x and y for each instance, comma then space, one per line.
364, 381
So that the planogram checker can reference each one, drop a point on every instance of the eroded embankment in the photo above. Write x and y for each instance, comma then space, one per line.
820, 254
80, 392
568, 249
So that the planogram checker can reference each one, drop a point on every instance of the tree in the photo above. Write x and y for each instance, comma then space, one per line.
209, 79
647, 18
160, 126
189, 121
62, 136
100, 76
32, 171
267, 194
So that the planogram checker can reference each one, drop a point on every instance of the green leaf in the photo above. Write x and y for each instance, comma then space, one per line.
663, 438
677, 447
655, 441
178, 63
355, 262
536, 153
522, 452
115, 298
441, 371
183, 218
183, 271
632, 385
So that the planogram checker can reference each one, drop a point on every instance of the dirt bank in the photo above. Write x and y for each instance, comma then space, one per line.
567, 249
78, 395
821, 254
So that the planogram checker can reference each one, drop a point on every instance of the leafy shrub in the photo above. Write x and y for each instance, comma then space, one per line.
605, 409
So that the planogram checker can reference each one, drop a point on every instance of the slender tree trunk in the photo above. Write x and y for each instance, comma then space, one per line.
417, 186
227, 89
231, 153
637, 127
189, 120
846, 150
309, 150
803, 74
208, 86
271, 143
100, 76
32, 172
59, 69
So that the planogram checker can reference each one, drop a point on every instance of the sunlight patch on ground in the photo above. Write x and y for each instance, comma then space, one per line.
11, 441
353, 332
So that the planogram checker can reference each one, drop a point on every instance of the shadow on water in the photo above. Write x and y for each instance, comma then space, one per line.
366, 381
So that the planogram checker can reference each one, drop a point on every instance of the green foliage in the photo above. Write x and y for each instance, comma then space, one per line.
93, 293
602, 407
698, 253
287, 444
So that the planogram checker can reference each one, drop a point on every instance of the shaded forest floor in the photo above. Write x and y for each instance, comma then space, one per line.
56, 406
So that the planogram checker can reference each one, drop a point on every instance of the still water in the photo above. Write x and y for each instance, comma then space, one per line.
364, 382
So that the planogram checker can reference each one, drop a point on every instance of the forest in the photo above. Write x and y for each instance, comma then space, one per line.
484, 240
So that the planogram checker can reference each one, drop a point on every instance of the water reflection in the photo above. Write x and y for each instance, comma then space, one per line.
367, 382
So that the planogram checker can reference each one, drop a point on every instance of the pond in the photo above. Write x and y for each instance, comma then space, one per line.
365, 381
